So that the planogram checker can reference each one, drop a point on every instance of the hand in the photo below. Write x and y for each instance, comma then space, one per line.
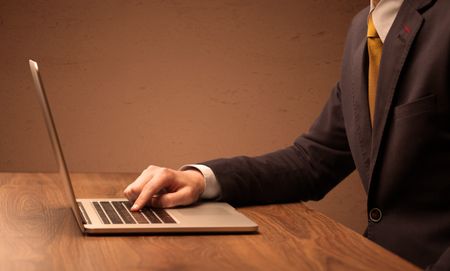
164, 188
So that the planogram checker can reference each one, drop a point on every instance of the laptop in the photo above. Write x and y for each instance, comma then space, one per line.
113, 215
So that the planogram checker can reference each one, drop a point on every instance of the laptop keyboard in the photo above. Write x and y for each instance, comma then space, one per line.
118, 212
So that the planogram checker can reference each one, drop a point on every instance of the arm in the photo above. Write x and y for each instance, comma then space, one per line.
312, 166
308, 169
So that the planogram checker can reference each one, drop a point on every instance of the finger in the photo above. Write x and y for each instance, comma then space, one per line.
138, 184
133, 190
169, 200
151, 188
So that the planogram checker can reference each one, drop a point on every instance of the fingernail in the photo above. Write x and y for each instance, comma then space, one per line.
134, 208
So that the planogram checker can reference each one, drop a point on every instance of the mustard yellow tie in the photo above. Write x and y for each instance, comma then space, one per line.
374, 46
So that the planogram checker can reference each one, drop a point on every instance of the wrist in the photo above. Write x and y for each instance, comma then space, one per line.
196, 177
212, 188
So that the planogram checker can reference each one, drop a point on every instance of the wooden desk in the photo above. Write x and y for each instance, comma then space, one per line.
39, 233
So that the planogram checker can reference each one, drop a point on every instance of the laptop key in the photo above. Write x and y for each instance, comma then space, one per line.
110, 212
100, 212
138, 216
123, 212
164, 216
155, 216
150, 215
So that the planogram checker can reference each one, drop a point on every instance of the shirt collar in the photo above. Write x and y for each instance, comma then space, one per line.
383, 15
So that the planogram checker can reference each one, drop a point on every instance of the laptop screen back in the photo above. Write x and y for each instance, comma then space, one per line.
56, 146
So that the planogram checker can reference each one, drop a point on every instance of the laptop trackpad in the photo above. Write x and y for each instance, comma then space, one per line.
205, 211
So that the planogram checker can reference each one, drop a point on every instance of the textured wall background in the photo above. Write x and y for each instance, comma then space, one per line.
133, 83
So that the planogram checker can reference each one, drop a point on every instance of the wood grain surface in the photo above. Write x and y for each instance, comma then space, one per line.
39, 233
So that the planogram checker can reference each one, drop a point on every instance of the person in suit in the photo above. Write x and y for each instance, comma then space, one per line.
388, 117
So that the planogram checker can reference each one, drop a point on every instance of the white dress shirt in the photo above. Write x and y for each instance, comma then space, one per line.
212, 187
383, 16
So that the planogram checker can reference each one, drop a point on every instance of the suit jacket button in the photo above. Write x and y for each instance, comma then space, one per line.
375, 215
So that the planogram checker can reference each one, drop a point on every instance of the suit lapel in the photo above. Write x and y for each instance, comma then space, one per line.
360, 100
395, 50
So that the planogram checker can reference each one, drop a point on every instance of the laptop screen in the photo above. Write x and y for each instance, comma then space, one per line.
56, 146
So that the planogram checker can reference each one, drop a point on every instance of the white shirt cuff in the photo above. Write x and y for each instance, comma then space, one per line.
212, 186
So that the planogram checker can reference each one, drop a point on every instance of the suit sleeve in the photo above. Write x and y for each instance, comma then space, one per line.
309, 168
443, 263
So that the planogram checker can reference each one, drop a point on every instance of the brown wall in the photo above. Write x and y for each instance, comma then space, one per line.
133, 83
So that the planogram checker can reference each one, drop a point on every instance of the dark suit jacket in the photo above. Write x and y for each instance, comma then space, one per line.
403, 162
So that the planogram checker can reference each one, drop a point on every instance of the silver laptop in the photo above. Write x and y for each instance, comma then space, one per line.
109, 215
